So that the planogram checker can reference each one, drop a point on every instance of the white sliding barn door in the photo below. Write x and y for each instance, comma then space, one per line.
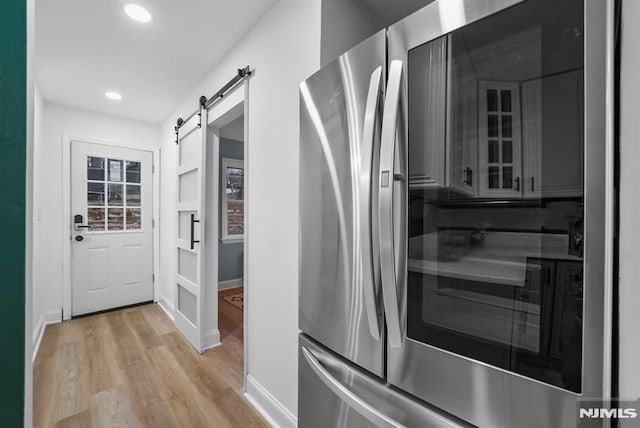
190, 277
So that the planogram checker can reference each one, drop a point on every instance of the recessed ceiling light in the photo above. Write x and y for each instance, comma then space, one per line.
113, 95
137, 13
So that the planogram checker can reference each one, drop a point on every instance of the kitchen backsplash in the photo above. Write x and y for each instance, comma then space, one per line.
551, 216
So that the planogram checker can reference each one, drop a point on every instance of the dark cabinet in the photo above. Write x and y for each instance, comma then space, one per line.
566, 341
541, 283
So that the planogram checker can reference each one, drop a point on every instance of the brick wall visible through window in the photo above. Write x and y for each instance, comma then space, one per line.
233, 198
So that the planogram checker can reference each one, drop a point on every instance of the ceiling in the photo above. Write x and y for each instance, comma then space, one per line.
87, 47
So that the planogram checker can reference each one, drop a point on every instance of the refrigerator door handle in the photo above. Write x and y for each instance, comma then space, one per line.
388, 266
357, 403
366, 212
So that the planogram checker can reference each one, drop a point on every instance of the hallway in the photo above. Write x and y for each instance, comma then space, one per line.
131, 367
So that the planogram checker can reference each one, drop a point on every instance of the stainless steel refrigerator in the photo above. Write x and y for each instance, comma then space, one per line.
454, 220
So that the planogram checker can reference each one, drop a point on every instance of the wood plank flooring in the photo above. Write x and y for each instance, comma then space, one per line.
132, 368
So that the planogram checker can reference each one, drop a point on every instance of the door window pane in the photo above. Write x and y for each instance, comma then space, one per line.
507, 151
95, 194
115, 194
492, 125
116, 219
115, 170
95, 219
134, 218
505, 101
133, 195
494, 177
506, 127
507, 177
95, 168
494, 156
492, 100
133, 172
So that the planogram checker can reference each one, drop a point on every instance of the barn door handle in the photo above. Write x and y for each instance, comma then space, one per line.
193, 222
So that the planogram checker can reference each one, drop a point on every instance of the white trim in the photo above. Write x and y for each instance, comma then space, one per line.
229, 284
236, 100
45, 319
245, 249
156, 223
65, 150
610, 195
232, 240
33, 98
271, 409
231, 101
167, 306
211, 339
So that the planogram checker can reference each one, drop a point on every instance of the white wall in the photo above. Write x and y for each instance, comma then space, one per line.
345, 23
629, 274
52, 121
284, 49
37, 310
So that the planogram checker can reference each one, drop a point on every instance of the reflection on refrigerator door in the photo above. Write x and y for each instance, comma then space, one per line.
450, 260
335, 393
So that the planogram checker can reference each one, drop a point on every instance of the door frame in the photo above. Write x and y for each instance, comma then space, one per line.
65, 149
237, 98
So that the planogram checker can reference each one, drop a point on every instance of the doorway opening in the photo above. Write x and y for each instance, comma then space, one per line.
226, 174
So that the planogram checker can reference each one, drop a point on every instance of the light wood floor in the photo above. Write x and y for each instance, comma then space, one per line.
132, 368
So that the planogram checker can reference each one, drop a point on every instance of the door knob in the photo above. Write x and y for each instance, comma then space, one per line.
79, 238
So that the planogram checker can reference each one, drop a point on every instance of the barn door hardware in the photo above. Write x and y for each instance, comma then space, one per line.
204, 103
179, 123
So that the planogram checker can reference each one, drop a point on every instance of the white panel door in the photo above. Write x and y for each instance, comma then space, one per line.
190, 204
111, 225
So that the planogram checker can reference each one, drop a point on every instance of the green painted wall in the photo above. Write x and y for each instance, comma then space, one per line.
13, 143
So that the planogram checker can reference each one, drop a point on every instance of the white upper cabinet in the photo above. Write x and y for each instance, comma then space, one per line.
462, 122
553, 153
484, 124
443, 118
427, 113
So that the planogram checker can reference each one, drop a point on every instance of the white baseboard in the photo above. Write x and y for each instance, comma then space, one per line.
230, 283
167, 306
45, 319
271, 409
212, 339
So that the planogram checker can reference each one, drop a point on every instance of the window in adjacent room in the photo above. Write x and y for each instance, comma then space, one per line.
232, 200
